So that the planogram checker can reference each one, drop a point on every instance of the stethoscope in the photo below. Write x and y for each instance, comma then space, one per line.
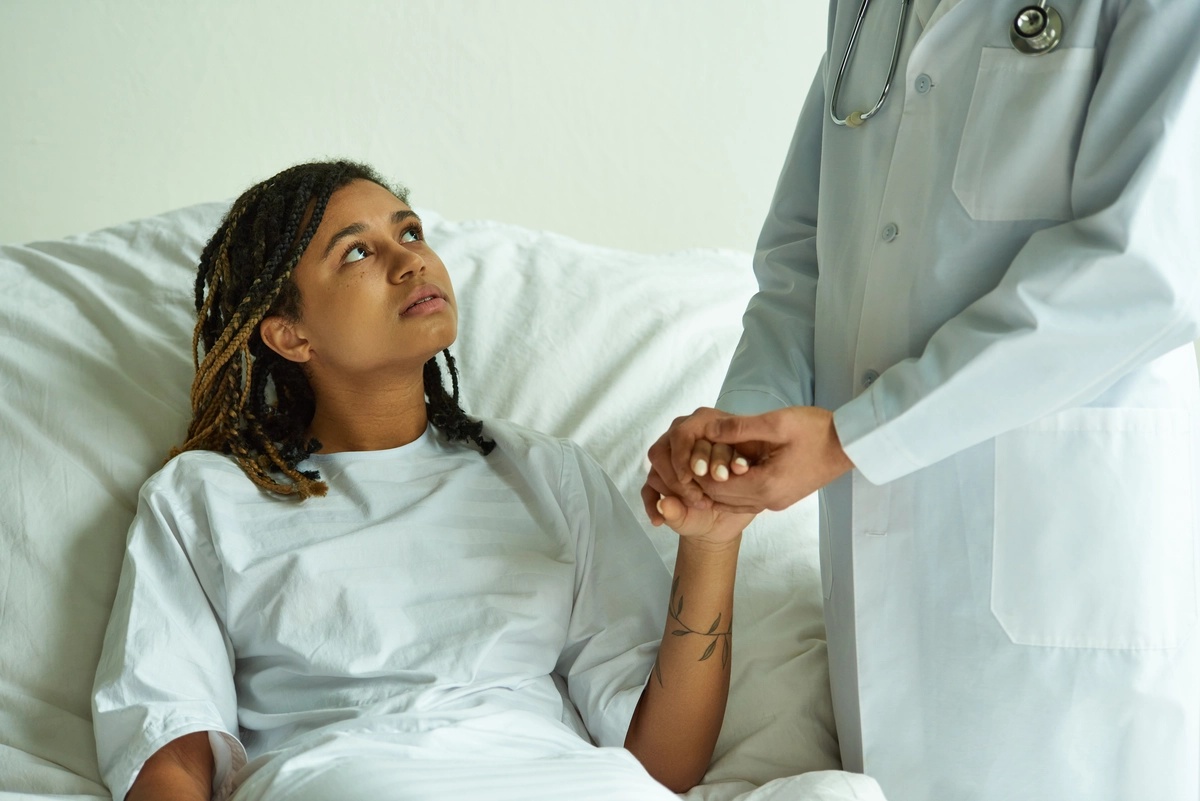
1037, 29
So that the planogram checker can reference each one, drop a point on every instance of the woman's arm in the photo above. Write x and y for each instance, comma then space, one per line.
675, 726
167, 663
179, 771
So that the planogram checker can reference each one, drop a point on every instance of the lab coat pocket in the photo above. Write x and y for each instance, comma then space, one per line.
1094, 527
1022, 134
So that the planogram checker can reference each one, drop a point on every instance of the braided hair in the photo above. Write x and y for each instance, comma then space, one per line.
248, 401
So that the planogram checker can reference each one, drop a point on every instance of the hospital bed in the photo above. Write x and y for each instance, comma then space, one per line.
599, 345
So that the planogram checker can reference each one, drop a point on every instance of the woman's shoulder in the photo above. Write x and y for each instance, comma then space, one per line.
510, 436
520, 443
196, 463
517, 441
193, 472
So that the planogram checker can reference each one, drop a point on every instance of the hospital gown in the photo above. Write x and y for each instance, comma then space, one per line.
442, 624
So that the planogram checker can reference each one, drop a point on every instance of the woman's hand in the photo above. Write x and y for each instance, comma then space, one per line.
717, 460
702, 527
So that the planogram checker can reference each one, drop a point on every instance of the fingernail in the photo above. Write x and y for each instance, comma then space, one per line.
658, 506
720, 472
700, 467
741, 462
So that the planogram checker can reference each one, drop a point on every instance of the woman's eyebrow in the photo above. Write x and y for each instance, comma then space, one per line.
357, 228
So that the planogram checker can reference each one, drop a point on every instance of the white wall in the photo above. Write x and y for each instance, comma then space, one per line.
641, 124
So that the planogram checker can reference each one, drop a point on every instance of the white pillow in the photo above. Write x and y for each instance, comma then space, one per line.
596, 344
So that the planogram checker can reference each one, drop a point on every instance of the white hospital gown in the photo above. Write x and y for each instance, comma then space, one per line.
426, 630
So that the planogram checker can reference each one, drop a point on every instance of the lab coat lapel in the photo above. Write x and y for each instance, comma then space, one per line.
924, 10
935, 10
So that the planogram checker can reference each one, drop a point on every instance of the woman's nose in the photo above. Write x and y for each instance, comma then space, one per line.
403, 264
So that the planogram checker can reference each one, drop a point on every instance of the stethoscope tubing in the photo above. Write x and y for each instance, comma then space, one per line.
855, 118
1031, 43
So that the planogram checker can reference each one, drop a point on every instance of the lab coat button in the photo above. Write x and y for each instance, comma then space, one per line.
923, 83
869, 378
890, 232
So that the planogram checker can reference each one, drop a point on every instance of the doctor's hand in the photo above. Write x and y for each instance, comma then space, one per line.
793, 452
680, 457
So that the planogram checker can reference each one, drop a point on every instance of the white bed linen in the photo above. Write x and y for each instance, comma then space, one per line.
598, 345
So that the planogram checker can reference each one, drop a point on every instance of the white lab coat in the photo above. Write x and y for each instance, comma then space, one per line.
995, 284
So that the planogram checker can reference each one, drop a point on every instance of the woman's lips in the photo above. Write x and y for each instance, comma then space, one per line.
430, 303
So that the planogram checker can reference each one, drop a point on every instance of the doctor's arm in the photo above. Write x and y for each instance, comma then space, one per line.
1083, 303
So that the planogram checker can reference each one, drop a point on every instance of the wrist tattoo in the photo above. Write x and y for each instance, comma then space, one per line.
675, 610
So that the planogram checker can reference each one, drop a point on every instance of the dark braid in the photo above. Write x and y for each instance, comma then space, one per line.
444, 411
245, 274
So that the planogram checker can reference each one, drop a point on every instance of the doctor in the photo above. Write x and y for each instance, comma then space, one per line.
973, 333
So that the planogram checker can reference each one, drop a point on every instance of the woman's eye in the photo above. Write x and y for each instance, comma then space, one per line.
356, 253
411, 235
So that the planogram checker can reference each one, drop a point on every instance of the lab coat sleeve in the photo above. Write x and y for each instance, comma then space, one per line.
772, 366
621, 594
1085, 302
166, 668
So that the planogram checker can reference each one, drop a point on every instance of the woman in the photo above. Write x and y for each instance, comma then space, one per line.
343, 586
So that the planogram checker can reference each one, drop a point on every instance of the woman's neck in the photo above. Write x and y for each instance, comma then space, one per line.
357, 419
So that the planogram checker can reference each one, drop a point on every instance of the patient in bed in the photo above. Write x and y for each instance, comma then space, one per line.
344, 587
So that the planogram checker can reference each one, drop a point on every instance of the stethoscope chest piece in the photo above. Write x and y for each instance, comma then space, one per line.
1037, 29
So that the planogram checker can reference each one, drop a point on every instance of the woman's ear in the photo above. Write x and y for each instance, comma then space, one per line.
280, 335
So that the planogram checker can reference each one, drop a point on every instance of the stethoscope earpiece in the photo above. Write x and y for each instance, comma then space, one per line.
1037, 29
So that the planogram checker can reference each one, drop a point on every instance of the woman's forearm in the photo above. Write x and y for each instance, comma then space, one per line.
179, 771
677, 720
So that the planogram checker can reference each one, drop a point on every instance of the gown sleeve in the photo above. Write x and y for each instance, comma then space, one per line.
1085, 302
772, 366
166, 668
621, 594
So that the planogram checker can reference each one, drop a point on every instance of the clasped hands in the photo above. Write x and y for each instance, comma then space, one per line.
713, 460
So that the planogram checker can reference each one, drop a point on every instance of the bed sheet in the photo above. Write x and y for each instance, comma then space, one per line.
600, 345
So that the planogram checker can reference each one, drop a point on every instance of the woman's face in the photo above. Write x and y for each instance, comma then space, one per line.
374, 298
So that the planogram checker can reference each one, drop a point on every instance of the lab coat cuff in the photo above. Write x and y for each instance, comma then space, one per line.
749, 401
865, 438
